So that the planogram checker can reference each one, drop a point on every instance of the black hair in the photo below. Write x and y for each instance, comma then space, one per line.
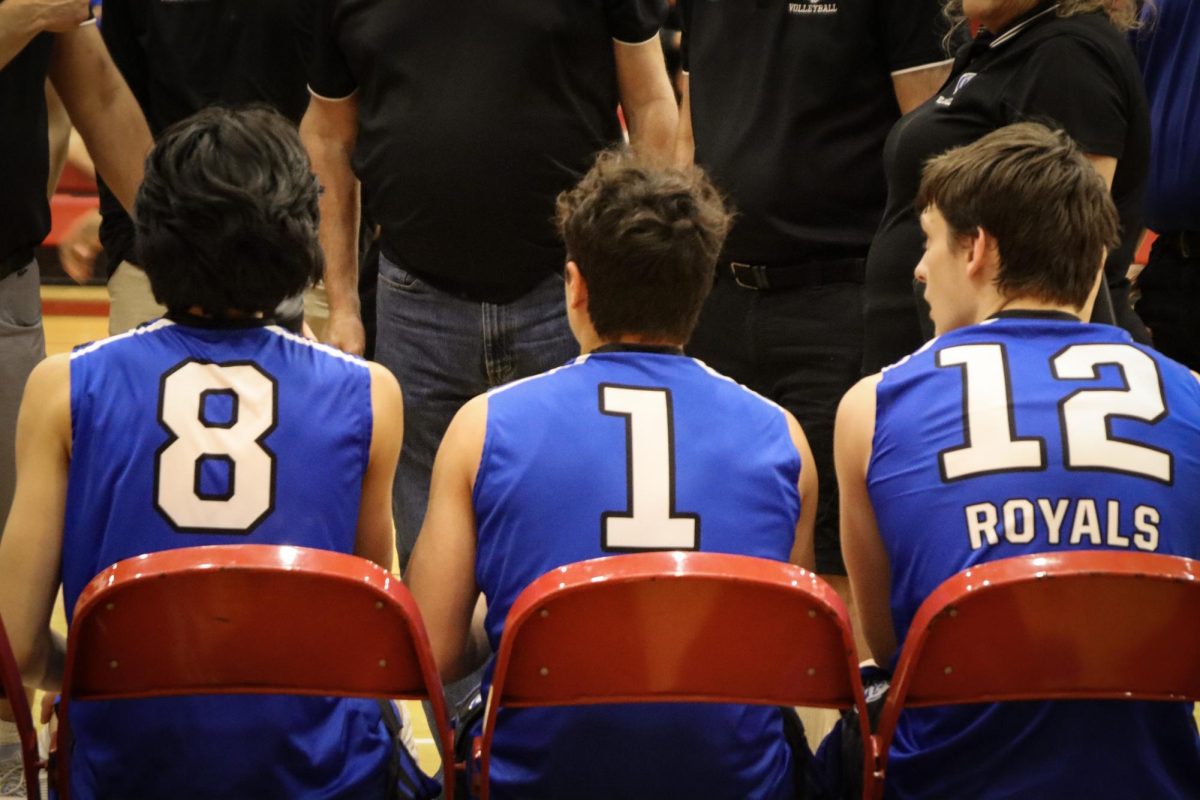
226, 216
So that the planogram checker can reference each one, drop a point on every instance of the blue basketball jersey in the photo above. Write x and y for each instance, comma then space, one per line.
1033, 433
185, 436
625, 450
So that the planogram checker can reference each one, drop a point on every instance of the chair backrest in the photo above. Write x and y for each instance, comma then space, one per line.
242, 619
674, 627
12, 690
1073, 625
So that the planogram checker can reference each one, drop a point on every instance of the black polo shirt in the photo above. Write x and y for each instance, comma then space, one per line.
24, 149
473, 116
1075, 73
181, 57
791, 103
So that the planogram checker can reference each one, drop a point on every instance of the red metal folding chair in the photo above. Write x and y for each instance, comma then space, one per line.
241, 619
674, 627
1074, 625
12, 690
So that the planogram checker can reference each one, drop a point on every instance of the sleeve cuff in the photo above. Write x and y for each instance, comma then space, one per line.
652, 38
919, 67
327, 99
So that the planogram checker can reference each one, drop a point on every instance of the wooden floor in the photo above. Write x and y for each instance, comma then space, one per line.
86, 320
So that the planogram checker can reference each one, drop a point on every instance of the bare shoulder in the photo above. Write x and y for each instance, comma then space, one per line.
859, 402
50, 379
384, 383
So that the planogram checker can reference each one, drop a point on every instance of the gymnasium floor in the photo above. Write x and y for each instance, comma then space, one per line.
77, 314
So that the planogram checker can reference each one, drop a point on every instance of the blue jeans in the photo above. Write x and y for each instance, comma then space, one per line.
445, 350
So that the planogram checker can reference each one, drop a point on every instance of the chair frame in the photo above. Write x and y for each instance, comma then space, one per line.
373, 581
14, 693
1011, 575
612, 571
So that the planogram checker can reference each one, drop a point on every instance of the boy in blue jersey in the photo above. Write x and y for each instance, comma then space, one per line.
1020, 429
209, 426
630, 447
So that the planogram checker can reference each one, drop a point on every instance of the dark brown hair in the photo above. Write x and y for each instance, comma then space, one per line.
1032, 189
646, 240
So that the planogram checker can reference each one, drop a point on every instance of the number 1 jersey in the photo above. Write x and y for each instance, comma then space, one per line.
621, 450
1030, 433
185, 435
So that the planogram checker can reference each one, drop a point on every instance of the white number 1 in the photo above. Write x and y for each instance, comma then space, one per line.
650, 523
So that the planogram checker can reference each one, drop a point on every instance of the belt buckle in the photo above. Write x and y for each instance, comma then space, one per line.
756, 272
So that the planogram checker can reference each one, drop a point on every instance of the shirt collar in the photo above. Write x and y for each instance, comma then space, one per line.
1023, 22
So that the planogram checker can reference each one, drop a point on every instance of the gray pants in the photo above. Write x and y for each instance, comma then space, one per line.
22, 346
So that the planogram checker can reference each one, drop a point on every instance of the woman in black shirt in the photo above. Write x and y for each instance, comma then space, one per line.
1062, 63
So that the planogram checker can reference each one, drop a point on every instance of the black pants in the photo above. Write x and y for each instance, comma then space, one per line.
802, 348
1170, 302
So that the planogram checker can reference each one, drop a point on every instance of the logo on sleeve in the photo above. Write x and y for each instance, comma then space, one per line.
812, 7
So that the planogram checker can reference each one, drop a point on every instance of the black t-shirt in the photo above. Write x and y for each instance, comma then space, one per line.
1076, 73
791, 103
24, 149
473, 116
180, 57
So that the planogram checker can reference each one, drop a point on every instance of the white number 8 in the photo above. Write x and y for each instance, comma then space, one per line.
237, 441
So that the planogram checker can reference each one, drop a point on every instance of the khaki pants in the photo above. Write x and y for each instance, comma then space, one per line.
131, 302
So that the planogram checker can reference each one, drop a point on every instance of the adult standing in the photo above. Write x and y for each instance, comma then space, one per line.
463, 121
1064, 63
1170, 284
40, 38
179, 58
787, 106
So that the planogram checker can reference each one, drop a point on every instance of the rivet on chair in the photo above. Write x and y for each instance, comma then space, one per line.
948, 670
109, 607
545, 613
954, 612
378, 605
113, 664
812, 613
544, 671
382, 663
812, 671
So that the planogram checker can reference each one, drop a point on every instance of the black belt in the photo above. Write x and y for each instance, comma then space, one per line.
14, 262
1186, 243
762, 277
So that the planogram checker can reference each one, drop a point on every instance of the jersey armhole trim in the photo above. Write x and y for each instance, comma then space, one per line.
320, 96
919, 67
653, 38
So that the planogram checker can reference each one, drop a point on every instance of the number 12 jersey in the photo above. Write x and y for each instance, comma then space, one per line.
1031, 433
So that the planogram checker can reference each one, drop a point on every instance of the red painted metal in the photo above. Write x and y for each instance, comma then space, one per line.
1074, 625
14, 692
675, 627
240, 619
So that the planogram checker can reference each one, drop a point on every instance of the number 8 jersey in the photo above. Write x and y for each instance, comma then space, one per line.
627, 449
185, 435
1033, 432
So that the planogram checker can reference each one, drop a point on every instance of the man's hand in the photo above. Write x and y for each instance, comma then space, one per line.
56, 16
78, 250
345, 332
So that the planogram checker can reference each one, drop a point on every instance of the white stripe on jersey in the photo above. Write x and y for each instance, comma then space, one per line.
575, 362
157, 325
745, 389
324, 348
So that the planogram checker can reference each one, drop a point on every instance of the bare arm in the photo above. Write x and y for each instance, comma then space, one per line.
21, 20
441, 573
915, 86
103, 109
376, 538
59, 127
803, 553
862, 548
31, 550
647, 98
329, 130
685, 141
